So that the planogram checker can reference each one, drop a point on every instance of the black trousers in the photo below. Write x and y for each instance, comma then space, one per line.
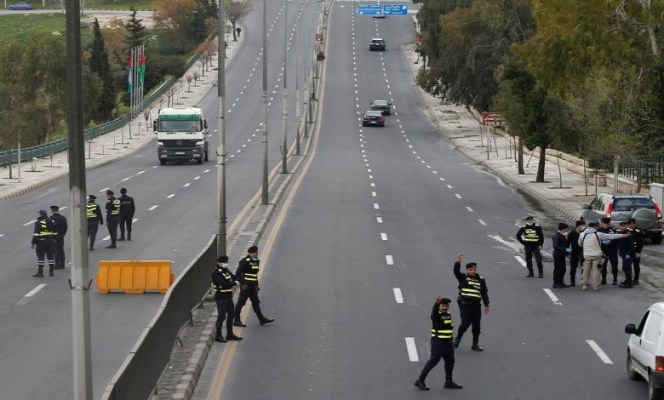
559, 269
112, 224
250, 293
440, 348
93, 227
59, 252
636, 264
627, 268
125, 220
531, 251
574, 261
471, 314
612, 253
225, 311
44, 248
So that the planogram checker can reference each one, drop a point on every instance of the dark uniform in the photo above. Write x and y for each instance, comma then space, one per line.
531, 237
638, 248
42, 240
472, 292
223, 281
94, 217
127, 209
112, 218
576, 253
626, 250
560, 245
60, 223
247, 273
610, 248
441, 345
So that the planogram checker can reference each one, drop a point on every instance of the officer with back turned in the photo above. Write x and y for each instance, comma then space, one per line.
638, 248
530, 235
441, 344
112, 217
42, 241
127, 209
472, 293
94, 217
223, 282
60, 222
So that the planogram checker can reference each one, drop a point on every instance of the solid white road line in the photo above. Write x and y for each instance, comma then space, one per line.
552, 296
389, 260
153, 207
601, 354
521, 261
397, 295
35, 290
383, 236
412, 349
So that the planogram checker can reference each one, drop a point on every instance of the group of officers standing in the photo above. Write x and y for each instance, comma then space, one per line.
589, 246
48, 238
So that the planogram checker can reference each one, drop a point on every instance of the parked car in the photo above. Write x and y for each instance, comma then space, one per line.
20, 6
373, 118
621, 207
383, 106
645, 351
377, 44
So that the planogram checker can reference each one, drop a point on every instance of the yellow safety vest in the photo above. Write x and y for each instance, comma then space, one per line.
90, 210
446, 332
116, 207
530, 234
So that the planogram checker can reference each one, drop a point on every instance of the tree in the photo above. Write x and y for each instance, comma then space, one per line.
235, 12
176, 18
99, 65
135, 33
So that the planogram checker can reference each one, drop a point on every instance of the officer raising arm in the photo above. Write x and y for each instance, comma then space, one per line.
472, 292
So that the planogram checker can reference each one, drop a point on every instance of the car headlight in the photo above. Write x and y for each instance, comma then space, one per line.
160, 144
200, 143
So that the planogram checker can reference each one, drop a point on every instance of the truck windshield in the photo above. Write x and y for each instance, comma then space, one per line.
179, 126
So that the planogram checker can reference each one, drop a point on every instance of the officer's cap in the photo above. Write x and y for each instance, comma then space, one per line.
562, 226
471, 265
252, 249
92, 197
43, 213
109, 193
606, 220
445, 300
592, 224
55, 208
623, 223
580, 222
222, 259
529, 218
123, 191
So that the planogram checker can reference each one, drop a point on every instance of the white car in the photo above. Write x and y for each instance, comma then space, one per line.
645, 350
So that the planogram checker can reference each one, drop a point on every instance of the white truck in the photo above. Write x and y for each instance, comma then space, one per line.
181, 135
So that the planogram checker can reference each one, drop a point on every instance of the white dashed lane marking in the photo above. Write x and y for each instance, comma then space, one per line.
170, 196
379, 220
521, 261
397, 295
383, 236
412, 349
153, 207
389, 260
28, 296
481, 222
552, 296
186, 184
469, 209
376, 207
600, 353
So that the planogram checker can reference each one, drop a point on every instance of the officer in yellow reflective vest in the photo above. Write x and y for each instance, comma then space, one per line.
472, 293
43, 242
247, 273
94, 218
441, 344
112, 217
530, 235
223, 282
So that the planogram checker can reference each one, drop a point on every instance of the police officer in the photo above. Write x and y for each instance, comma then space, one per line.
42, 240
127, 209
626, 250
60, 223
441, 344
531, 237
94, 217
560, 247
247, 273
472, 292
112, 217
610, 248
638, 247
576, 253
223, 281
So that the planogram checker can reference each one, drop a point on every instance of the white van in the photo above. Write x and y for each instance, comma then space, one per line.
645, 350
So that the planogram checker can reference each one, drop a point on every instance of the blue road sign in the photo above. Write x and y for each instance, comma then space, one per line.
395, 9
369, 9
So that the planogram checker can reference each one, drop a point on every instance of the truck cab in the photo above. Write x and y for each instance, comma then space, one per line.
181, 135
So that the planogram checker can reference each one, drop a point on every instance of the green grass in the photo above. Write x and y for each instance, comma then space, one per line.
21, 26
95, 4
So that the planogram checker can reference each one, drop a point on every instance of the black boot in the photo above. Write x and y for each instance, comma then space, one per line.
456, 342
530, 274
475, 346
265, 320
129, 236
231, 336
50, 270
449, 384
39, 274
238, 322
421, 385
218, 337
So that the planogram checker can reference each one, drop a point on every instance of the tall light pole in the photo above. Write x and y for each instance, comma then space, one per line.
221, 133
284, 146
79, 283
264, 197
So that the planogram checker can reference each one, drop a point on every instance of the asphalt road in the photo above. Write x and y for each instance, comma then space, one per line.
176, 214
370, 240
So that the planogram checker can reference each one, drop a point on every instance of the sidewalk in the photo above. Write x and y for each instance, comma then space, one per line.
120, 143
563, 190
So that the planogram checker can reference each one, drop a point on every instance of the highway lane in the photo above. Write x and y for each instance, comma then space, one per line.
370, 240
176, 205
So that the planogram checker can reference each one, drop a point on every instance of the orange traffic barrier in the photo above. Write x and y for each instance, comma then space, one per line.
134, 276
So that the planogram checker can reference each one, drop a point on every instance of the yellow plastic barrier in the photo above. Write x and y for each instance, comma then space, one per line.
134, 276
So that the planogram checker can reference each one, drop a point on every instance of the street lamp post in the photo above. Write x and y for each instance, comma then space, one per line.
284, 146
264, 197
221, 134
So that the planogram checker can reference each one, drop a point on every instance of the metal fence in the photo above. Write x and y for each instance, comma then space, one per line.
650, 169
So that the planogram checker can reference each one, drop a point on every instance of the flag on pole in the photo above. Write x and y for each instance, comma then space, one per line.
130, 71
141, 66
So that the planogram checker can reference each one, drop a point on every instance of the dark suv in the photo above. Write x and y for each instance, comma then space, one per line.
622, 207
377, 44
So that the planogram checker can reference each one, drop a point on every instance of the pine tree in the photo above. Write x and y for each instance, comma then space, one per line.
135, 32
100, 65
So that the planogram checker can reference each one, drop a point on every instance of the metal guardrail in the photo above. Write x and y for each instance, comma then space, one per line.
145, 363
